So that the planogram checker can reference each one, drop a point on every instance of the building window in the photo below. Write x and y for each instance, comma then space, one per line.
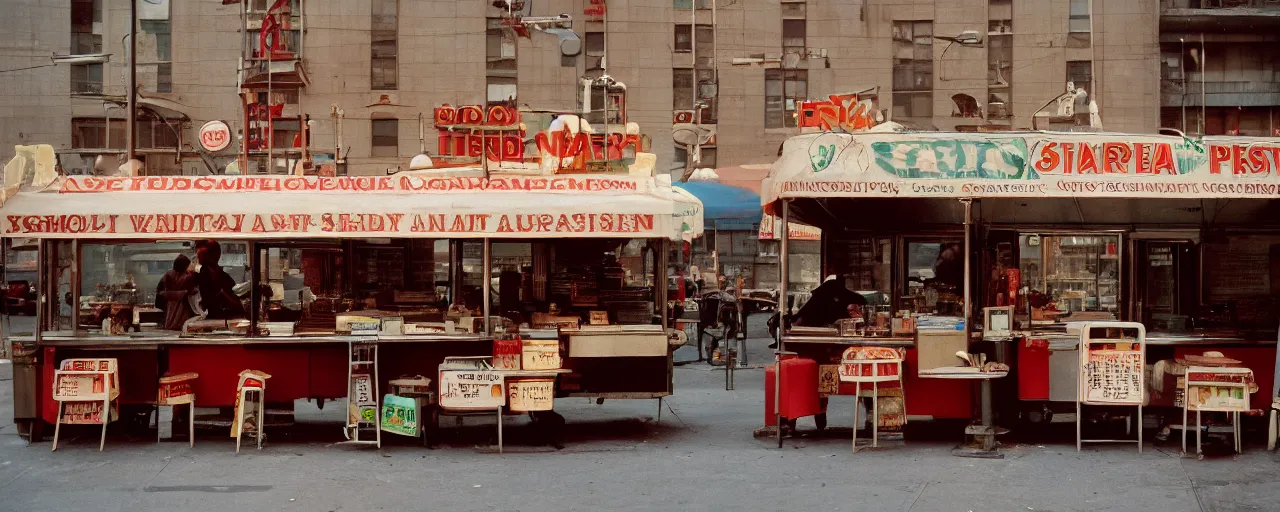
1080, 73
86, 38
1079, 25
793, 37
595, 44
500, 63
683, 38
86, 79
708, 154
704, 57
682, 89
383, 45
784, 90
160, 30
1000, 59
793, 10
691, 4
92, 133
913, 69
386, 137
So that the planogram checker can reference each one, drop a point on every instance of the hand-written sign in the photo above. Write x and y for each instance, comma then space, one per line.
400, 415
1113, 377
78, 386
471, 389
525, 395
362, 389
540, 355
329, 223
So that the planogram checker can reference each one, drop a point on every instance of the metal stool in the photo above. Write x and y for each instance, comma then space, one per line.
855, 371
255, 383
176, 390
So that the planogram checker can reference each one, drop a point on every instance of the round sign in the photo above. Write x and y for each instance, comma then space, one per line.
215, 136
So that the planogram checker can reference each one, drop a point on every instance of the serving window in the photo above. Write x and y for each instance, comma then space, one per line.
1070, 276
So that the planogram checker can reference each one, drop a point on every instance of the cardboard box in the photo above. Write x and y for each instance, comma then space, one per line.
937, 349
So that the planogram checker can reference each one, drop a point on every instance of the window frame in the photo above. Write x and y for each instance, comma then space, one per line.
381, 150
785, 77
384, 47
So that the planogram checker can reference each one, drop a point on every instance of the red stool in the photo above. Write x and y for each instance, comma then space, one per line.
799, 390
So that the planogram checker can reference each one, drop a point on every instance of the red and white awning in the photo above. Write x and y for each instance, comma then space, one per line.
427, 205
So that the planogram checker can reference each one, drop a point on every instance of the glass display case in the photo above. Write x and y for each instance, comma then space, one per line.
1069, 274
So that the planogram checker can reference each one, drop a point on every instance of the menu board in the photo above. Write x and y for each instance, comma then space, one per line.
525, 395
471, 389
1218, 389
1112, 376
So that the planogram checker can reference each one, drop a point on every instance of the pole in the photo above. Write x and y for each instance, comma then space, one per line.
1204, 58
784, 308
131, 105
487, 285
968, 233
1183, 69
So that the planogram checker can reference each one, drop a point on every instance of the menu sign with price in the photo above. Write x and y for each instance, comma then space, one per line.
1113, 377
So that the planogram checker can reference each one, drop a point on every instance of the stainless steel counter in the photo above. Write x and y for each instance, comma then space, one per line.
851, 341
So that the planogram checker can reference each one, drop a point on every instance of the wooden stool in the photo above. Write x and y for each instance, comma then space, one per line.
176, 390
252, 383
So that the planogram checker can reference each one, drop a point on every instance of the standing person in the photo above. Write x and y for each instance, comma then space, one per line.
172, 292
216, 287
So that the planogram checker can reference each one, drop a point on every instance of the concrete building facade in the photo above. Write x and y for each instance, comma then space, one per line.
360, 74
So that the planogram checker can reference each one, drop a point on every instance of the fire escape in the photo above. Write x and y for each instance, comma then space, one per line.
272, 76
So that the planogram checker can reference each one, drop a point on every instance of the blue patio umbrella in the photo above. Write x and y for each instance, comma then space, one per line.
722, 202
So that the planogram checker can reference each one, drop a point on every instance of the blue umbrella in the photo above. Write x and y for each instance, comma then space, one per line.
724, 202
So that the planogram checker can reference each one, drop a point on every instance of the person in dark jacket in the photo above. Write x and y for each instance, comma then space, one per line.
828, 303
217, 295
172, 293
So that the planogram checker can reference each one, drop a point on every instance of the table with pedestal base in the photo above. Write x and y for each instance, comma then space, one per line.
980, 439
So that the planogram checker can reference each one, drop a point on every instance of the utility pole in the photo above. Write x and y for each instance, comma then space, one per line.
131, 128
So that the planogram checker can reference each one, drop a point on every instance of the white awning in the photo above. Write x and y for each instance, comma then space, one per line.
238, 208
1023, 164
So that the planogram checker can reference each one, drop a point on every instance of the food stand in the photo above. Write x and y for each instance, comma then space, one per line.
421, 264
1054, 228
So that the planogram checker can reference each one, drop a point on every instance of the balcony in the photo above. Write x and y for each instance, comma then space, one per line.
1219, 94
1219, 15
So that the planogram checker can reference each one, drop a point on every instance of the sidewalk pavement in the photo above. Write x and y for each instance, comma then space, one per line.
700, 456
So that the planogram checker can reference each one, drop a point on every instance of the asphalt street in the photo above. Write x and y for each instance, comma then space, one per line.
618, 455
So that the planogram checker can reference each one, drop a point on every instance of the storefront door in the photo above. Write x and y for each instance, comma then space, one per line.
1166, 283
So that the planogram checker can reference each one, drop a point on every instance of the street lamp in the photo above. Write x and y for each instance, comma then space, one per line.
968, 38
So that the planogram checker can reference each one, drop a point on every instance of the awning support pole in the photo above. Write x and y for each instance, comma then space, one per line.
968, 297
784, 308
487, 285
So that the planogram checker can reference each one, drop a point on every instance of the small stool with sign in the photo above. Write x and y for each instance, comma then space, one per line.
870, 365
86, 391
251, 399
1215, 389
420, 399
176, 390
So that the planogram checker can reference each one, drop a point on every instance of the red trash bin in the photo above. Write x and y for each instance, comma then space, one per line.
799, 389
